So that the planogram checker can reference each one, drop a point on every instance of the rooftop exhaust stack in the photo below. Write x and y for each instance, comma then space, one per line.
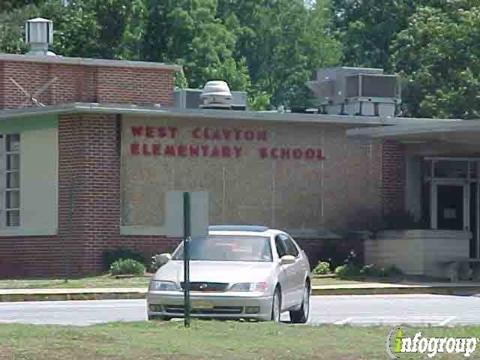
38, 35
216, 95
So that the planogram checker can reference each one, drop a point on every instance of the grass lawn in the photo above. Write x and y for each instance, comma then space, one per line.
107, 281
102, 281
204, 340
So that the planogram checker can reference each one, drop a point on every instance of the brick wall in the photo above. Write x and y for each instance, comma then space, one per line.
393, 177
89, 179
89, 182
82, 83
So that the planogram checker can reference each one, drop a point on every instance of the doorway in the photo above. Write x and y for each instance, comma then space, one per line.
452, 199
450, 207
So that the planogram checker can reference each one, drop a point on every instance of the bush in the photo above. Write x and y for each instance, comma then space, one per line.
347, 271
374, 271
127, 267
322, 268
112, 255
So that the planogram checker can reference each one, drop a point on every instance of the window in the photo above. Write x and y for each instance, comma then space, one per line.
280, 245
291, 248
10, 180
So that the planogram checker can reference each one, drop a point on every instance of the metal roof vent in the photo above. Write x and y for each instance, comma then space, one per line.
38, 35
216, 95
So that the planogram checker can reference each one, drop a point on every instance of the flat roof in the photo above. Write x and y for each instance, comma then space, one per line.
415, 129
273, 116
58, 59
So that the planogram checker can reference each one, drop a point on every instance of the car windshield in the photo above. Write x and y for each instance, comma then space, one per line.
228, 248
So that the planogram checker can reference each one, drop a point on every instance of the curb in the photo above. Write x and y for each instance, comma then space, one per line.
72, 296
459, 291
124, 295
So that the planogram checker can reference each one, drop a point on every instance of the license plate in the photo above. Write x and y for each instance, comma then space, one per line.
199, 304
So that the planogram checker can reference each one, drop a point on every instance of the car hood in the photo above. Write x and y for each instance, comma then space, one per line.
217, 271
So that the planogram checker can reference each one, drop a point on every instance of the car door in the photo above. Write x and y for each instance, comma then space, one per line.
298, 270
284, 274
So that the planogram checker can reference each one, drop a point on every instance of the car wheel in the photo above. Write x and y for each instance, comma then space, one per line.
276, 306
301, 316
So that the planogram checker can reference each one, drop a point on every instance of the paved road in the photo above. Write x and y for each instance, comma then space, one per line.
340, 310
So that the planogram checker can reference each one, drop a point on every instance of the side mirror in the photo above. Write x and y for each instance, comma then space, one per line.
160, 260
287, 259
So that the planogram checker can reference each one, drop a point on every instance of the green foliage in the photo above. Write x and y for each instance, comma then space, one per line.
322, 268
127, 267
439, 57
110, 256
372, 270
347, 271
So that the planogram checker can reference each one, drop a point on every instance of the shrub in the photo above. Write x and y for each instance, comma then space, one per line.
127, 267
322, 268
374, 271
112, 255
347, 271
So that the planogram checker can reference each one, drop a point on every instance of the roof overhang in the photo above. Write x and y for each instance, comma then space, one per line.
460, 131
271, 116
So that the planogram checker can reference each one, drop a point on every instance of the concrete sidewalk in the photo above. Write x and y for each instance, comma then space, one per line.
367, 288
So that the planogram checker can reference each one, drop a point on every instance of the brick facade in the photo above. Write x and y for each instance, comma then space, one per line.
84, 83
89, 154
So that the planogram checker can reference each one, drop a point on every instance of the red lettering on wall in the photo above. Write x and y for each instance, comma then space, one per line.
297, 153
194, 150
215, 152
309, 154
238, 151
137, 130
226, 151
284, 153
249, 135
173, 132
320, 155
205, 150
135, 149
196, 133
170, 150
149, 132
182, 150
156, 149
145, 150
262, 135
274, 153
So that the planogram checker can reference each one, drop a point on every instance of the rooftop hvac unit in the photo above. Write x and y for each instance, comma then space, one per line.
190, 99
372, 86
356, 91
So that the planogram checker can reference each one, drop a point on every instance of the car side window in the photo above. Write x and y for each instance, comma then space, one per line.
280, 245
291, 248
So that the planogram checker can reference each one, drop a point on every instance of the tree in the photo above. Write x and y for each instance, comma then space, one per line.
439, 57
283, 42
187, 32
366, 28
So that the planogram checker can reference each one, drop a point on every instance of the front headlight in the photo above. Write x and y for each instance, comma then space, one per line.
247, 287
159, 285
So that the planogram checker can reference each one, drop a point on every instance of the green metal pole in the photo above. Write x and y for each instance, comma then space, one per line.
186, 257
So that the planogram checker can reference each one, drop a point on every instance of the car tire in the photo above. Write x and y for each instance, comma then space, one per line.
276, 306
300, 316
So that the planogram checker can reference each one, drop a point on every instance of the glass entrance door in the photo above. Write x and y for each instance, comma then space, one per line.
451, 206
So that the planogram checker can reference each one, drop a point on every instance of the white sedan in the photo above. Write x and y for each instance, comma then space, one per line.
249, 272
